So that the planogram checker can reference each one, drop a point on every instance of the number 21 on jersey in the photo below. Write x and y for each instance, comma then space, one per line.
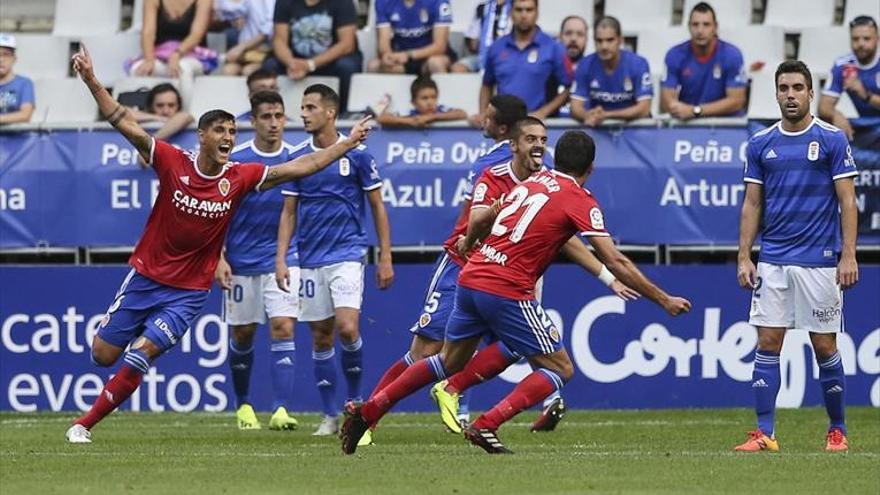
519, 198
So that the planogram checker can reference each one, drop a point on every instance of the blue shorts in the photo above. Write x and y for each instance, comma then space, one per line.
439, 300
146, 308
522, 325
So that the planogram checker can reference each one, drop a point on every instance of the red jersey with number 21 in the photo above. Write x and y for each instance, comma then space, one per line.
181, 244
537, 218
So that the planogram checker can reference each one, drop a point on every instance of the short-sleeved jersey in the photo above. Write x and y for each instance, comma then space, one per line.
412, 26
627, 85
331, 223
15, 93
801, 223
181, 244
525, 73
849, 66
313, 27
536, 220
253, 234
440, 109
703, 80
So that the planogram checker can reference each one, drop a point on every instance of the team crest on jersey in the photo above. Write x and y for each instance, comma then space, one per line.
344, 167
223, 186
813, 151
423, 16
596, 219
627, 85
424, 320
480, 192
554, 334
716, 71
533, 56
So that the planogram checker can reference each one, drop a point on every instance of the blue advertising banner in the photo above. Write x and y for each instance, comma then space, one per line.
656, 185
626, 354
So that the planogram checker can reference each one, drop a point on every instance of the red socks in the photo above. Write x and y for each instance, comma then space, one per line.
390, 375
486, 364
533, 389
421, 373
115, 392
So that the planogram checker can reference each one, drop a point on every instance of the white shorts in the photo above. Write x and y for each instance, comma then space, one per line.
797, 297
254, 296
323, 289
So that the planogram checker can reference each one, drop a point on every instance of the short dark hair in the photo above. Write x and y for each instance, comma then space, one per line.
575, 152
525, 122
702, 8
211, 117
261, 97
326, 92
259, 75
158, 90
607, 22
863, 20
508, 110
794, 66
571, 17
422, 82
514, 1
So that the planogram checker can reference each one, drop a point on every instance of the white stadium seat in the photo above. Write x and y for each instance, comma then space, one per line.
654, 43
636, 15
820, 47
757, 44
292, 92
135, 83
137, 16
63, 100
367, 43
76, 18
727, 12
462, 14
42, 56
551, 14
762, 96
367, 89
219, 92
459, 91
855, 8
109, 53
798, 14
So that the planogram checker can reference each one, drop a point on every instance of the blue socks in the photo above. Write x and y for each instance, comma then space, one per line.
765, 384
435, 365
240, 363
283, 355
833, 383
325, 380
352, 367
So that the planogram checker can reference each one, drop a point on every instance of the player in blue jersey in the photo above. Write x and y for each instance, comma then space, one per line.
857, 73
247, 272
704, 76
413, 37
328, 215
798, 173
611, 83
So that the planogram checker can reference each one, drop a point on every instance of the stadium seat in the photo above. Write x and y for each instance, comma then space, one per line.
855, 8
367, 89
636, 15
757, 43
796, 14
292, 92
728, 12
462, 14
762, 96
459, 91
551, 14
820, 47
109, 53
366, 39
137, 16
654, 43
77, 18
224, 92
63, 100
846, 107
42, 56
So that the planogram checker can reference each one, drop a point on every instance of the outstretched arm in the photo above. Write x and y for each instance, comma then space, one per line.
118, 116
577, 252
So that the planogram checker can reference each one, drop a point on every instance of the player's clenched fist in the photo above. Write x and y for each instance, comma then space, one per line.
677, 305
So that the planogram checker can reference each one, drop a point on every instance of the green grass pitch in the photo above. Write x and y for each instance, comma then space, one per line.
675, 451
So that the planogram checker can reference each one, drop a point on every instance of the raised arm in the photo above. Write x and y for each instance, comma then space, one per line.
118, 116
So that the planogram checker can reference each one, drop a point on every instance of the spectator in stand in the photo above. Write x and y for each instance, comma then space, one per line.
259, 80
425, 110
413, 37
857, 73
612, 83
316, 37
491, 21
252, 46
164, 105
573, 36
522, 62
704, 75
173, 42
16, 92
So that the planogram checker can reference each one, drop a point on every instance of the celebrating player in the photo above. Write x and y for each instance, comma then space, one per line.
798, 173
496, 294
247, 271
174, 261
332, 245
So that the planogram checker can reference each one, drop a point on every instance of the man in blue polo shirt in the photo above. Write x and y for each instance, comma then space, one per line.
413, 37
704, 75
16, 92
611, 83
522, 62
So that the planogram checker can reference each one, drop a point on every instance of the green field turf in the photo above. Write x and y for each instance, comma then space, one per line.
591, 451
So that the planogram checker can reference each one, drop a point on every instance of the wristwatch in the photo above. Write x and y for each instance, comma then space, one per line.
312, 65
698, 110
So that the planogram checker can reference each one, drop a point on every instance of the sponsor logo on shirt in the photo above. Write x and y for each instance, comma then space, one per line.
166, 329
200, 207
770, 155
185, 179
493, 255
849, 161
826, 315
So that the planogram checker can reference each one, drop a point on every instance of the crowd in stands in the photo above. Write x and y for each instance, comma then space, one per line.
703, 76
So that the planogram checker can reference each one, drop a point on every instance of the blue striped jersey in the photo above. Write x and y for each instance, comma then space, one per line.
253, 233
331, 215
801, 219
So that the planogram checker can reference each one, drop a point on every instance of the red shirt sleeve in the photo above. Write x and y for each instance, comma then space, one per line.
486, 190
585, 213
253, 175
163, 156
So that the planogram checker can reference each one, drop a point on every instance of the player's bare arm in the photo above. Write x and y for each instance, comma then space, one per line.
286, 228
479, 225
624, 269
118, 116
313, 163
847, 268
829, 113
578, 253
223, 272
385, 270
749, 221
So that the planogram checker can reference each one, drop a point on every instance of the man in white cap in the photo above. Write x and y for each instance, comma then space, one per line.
16, 92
